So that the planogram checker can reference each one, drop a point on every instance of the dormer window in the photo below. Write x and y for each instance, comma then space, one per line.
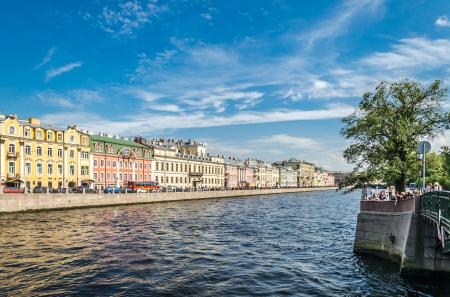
39, 134
49, 135
27, 132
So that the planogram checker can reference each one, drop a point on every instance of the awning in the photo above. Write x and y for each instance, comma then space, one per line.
87, 181
16, 180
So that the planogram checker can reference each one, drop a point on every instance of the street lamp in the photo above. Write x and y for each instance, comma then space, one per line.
423, 148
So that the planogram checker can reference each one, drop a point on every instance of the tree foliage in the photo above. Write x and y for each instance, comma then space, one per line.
387, 125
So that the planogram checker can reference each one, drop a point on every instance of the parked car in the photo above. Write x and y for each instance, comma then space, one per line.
64, 190
40, 190
86, 190
13, 190
138, 190
128, 190
109, 189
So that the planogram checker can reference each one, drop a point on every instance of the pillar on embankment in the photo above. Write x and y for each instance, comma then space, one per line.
397, 232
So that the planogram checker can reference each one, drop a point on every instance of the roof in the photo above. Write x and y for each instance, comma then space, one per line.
116, 141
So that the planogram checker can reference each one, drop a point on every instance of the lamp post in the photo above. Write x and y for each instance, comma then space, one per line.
423, 148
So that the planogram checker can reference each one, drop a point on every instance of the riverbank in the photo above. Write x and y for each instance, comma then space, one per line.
10, 203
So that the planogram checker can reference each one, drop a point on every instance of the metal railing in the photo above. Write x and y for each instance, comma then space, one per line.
435, 207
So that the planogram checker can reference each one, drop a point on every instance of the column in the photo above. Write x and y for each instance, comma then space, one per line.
79, 167
22, 161
2, 161
66, 168
2, 164
91, 166
117, 173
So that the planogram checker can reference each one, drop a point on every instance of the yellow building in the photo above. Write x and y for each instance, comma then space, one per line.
33, 154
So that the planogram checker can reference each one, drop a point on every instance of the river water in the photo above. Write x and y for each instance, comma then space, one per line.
281, 245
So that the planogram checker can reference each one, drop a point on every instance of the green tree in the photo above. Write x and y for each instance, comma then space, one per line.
387, 125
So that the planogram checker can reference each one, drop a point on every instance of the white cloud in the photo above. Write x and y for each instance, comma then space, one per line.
63, 69
146, 123
74, 99
288, 140
442, 21
412, 53
206, 16
145, 95
127, 17
165, 107
339, 20
48, 57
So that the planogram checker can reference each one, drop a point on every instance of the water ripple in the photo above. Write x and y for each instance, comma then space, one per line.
286, 245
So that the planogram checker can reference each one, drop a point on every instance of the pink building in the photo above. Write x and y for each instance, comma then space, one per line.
117, 161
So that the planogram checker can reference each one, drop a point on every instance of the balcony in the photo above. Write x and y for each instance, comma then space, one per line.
11, 176
12, 155
195, 174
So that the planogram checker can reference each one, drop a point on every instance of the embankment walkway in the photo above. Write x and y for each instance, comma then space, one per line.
10, 203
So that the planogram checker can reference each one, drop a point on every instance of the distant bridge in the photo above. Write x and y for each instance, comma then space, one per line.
435, 207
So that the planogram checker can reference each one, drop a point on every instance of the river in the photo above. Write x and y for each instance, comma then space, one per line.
281, 245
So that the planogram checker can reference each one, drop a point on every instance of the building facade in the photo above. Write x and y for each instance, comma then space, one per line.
36, 155
287, 176
185, 164
116, 161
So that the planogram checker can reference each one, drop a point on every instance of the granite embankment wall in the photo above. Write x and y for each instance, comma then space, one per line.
35, 202
397, 232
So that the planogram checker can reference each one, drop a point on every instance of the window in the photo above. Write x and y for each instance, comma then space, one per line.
72, 170
84, 155
72, 138
39, 169
95, 176
84, 170
60, 137
114, 176
125, 176
38, 134
12, 130
102, 163
157, 165
140, 165
72, 154
156, 178
60, 169
171, 166
108, 176
27, 132
145, 176
11, 148
135, 177
102, 176
140, 176
114, 164
135, 165
95, 162
176, 167
50, 169
145, 165
12, 168
28, 149
50, 152
28, 168
39, 151
108, 163
60, 153
171, 179
120, 164
125, 164
49, 135
120, 177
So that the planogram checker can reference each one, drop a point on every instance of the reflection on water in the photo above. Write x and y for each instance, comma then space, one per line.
293, 244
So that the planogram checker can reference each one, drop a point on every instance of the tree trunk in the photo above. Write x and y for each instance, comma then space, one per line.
400, 183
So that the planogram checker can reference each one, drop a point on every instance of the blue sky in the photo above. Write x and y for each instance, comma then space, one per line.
267, 79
